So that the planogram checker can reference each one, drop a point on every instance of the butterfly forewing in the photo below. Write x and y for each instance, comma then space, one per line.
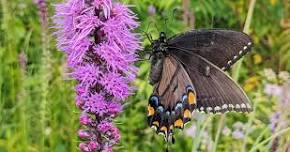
173, 98
221, 47
216, 91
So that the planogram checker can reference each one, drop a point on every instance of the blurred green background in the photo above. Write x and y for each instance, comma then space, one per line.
37, 109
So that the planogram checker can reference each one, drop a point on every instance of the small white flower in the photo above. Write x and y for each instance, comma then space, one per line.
270, 74
238, 125
284, 76
226, 131
238, 134
191, 131
273, 90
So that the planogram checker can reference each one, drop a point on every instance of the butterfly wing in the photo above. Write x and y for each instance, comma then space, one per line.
221, 47
173, 99
216, 91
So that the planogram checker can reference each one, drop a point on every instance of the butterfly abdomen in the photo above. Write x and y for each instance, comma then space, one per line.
156, 69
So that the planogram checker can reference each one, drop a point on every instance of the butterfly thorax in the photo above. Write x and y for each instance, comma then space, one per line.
160, 45
159, 52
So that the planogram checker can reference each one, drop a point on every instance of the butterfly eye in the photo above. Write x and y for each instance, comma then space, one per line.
162, 35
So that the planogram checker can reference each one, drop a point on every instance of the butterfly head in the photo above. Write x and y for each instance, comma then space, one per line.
160, 45
162, 37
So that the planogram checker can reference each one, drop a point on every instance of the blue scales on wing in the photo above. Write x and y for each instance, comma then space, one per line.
173, 99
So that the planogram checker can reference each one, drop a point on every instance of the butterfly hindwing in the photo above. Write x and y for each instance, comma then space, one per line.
173, 99
221, 47
216, 91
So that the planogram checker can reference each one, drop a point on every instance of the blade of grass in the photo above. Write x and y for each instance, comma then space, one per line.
220, 127
201, 125
236, 71
23, 98
261, 136
237, 67
45, 73
270, 138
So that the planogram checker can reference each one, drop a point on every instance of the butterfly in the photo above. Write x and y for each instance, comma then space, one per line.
188, 73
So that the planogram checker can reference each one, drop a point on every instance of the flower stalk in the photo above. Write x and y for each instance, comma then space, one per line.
45, 68
101, 49
236, 70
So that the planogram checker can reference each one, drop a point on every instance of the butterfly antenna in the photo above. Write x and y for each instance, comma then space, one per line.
142, 60
156, 27
212, 21
144, 51
147, 34
165, 23
149, 37
148, 26
171, 19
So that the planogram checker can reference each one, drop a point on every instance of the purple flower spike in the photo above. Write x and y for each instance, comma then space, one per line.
101, 50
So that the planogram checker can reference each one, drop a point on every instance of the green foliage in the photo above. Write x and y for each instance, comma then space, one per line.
27, 124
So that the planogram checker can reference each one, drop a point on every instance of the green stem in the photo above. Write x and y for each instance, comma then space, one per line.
45, 77
249, 123
237, 67
236, 70
200, 127
220, 127
270, 138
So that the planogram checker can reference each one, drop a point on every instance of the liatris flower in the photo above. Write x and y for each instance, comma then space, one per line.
97, 37
42, 11
238, 132
191, 131
273, 90
274, 121
151, 10
282, 93
281, 90
226, 131
22, 57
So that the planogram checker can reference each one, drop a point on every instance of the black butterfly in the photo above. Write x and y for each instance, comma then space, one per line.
187, 73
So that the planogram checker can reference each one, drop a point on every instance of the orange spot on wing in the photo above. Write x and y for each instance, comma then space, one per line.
178, 123
187, 114
191, 98
150, 110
